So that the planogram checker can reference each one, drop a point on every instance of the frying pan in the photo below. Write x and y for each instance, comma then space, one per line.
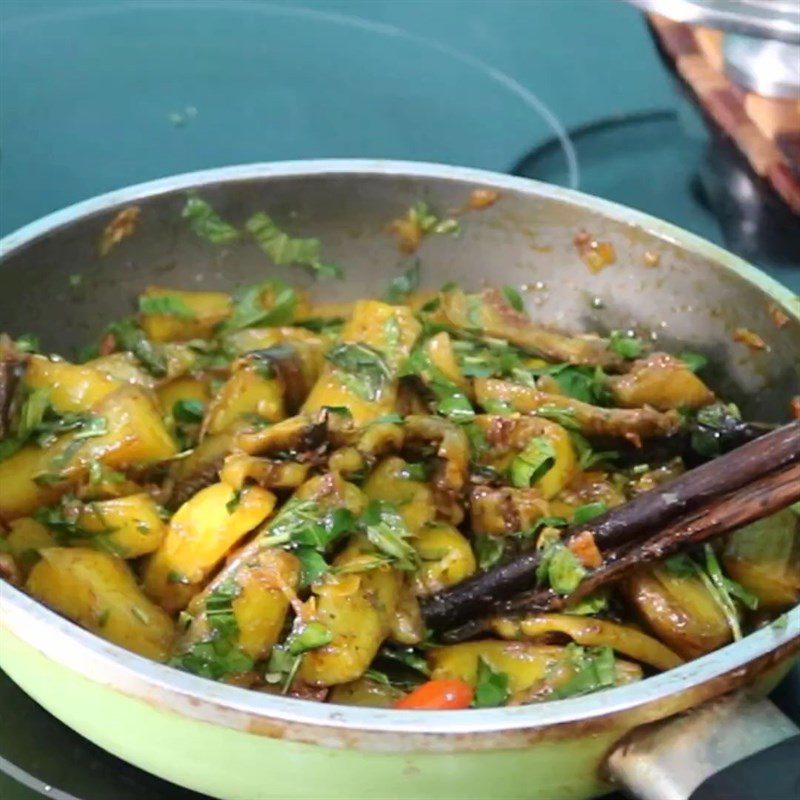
662, 737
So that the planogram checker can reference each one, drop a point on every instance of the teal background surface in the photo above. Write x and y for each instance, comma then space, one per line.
95, 92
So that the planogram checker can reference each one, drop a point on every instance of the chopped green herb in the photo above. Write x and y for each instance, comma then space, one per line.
587, 456
282, 667
27, 343
387, 531
491, 688
718, 584
327, 326
497, 407
565, 417
173, 576
401, 286
40, 423
75, 280
185, 620
376, 676
586, 384
625, 345
680, 565
430, 305
87, 353
48, 478
407, 656
591, 604
593, 668
533, 463
341, 411
100, 473
391, 334
364, 369
312, 636
362, 565
546, 522
169, 304
695, 361
478, 443
234, 502
589, 511
781, 623
215, 659
560, 569
129, 336
287, 250
415, 472
189, 411
488, 549
427, 221
456, 407
312, 565
712, 421
219, 609
206, 223
308, 528
249, 310
513, 298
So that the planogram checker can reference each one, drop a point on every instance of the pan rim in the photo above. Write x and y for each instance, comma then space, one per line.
67, 644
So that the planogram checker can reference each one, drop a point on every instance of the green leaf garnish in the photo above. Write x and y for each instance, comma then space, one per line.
169, 304
488, 549
711, 423
62, 520
27, 343
560, 569
206, 223
591, 604
388, 532
219, 655
422, 215
312, 565
456, 407
40, 423
363, 368
189, 411
312, 636
491, 688
129, 336
588, 511
695, 361
586, 384
401, 286
249, 310
593, 668
233, 503
415, 472
513, 298
287, 250
533, 463
625, 345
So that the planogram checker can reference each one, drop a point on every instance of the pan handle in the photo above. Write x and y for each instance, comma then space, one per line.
735, 748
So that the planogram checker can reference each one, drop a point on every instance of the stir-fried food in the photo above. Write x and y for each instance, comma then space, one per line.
262, 491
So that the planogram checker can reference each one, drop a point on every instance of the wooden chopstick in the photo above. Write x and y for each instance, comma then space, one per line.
622, 527
767, 495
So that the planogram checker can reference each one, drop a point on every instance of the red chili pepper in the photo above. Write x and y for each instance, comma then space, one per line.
444, 695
